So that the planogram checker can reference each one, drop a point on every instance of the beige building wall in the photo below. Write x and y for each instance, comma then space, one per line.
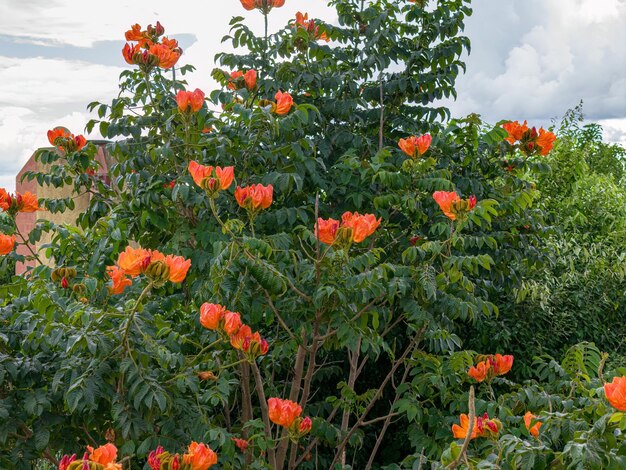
26, 222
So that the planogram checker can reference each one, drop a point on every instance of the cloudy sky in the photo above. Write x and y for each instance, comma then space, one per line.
531, 59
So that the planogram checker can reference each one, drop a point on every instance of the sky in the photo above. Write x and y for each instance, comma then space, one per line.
530, 59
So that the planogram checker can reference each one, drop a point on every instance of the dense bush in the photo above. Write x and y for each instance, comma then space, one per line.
131, 337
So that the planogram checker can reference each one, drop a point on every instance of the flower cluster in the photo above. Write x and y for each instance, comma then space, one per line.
217, 317
211, 179
254, 198
65, 141
313, 30
490, 367
7, 243
452, 205
529, 140
156, 266
14, 203
190, 101
353, 228
483, 427
286, 413
415, 146
239, 80
616, 393
198, 457
264, 5
151, 50
101, 458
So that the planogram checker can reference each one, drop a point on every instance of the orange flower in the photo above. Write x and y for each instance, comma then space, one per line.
135, 34
190, 99
7, 243
232, 322
302, 21
284, 102
515, 131
211, 315
460, 432
446, 201
250, 78
61, 138
120, 281
415, 146
200, 456
326, 230
60, 133
483, 427
283, 412
132, 53
264, 5
134, 261
178, 267
480, 372
502, 364
244, 334
545, 141
255, 197
104, 455
362, 225
167, 53
26, 202
239, 78
210, 178
241, 444
616, 393
534, 430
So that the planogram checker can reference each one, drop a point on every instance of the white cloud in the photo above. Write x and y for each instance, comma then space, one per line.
553, 53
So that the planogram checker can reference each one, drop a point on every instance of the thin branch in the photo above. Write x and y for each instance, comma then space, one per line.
264, 411
376, 396
468, 437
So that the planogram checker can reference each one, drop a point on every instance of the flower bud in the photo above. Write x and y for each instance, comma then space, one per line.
158, 272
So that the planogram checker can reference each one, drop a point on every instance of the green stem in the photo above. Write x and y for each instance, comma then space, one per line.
25, 242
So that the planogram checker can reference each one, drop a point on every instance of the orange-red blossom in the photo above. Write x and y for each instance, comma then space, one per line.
264, 5
284, 103
480, 371
200, 456
217, 317
242, 444
283, 412
119, 279
104, 455
149, 52
13, 204
493, 365
452, 205
249, 342
616, 393
136, 261
415, 146
354, 227
238, 80
190, 101
302, 21
483, 427
534, 429
65, 141
531, 141
255, 197
7, 243
211, 179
